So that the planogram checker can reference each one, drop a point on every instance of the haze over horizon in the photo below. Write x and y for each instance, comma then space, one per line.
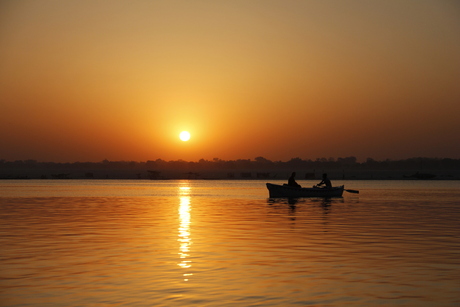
119, 80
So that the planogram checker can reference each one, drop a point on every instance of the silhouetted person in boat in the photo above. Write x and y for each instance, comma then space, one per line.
325, 181
291, 181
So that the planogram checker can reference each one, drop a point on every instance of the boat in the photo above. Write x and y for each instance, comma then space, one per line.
276, 190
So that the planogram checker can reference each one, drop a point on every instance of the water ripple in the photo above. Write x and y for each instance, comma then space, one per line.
197, 247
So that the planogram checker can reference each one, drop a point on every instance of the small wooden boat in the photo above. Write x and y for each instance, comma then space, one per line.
276, 190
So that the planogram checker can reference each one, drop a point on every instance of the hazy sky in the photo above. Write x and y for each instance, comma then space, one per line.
91, 80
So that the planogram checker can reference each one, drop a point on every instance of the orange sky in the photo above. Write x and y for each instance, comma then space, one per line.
119, 80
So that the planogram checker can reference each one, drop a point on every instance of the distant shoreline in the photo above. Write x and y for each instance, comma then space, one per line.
282, 175
242, 169
221, 179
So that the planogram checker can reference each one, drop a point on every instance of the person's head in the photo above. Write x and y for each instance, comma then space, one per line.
324, 175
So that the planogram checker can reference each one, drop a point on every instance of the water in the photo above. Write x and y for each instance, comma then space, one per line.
224, 243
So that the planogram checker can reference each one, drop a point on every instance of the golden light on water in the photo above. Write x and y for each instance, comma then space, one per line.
184, 238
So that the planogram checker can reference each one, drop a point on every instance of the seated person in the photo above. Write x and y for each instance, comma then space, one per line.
292, 182
325, 181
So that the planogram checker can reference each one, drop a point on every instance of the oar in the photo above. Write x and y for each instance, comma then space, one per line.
353, 191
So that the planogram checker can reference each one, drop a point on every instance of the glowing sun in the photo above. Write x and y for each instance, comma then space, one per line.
184, 136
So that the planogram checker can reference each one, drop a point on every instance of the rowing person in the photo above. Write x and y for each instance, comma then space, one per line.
292, 182
325, 181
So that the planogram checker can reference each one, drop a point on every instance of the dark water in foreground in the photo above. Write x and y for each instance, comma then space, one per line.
224, 243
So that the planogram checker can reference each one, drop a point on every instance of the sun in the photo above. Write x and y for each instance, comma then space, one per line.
184, 136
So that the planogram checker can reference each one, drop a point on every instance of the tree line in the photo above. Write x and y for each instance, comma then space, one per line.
258, 163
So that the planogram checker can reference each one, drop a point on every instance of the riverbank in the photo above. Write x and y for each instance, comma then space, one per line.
334, 174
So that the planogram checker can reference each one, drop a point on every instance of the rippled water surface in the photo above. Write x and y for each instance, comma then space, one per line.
224, 243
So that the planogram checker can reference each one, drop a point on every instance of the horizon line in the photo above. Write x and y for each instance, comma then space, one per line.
322, 159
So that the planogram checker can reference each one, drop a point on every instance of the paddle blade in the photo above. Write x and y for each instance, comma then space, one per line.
353, 191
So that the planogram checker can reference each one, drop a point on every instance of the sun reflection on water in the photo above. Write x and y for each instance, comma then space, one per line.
184, 228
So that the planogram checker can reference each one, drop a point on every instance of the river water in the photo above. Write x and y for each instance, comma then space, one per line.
224, 243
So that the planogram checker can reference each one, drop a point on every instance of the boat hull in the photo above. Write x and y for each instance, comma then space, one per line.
276, 191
